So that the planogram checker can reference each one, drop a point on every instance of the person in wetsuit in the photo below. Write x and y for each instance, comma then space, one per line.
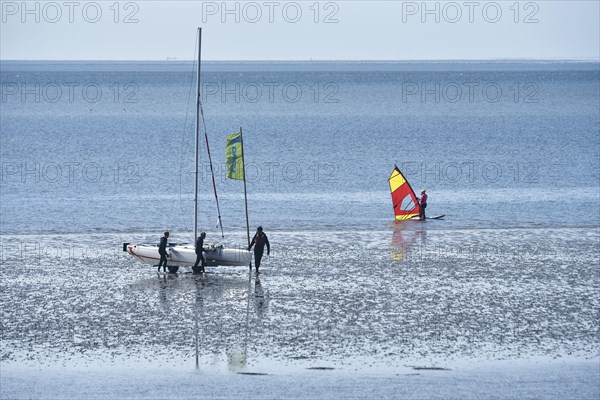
199, 255
423, 204
162, 250
259, 241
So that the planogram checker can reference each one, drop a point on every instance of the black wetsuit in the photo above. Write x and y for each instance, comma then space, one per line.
422, 212
162, 250
259, 241
199, 256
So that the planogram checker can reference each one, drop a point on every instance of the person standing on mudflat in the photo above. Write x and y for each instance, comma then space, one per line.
162, 250
259, 241
199, 255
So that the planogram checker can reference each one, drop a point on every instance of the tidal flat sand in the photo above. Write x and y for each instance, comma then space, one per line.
410, 312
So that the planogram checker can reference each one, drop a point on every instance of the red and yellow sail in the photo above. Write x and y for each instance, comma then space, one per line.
406, 204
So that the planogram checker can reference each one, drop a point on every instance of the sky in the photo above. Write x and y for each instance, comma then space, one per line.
300, 30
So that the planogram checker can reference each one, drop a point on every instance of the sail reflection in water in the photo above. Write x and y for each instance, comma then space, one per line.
406, 242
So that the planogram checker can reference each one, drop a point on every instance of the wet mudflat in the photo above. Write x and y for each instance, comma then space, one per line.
399, 301
548, 381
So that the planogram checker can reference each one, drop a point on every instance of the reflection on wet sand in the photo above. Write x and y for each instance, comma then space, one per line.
407, 239
261, 298
509, 295
214, 288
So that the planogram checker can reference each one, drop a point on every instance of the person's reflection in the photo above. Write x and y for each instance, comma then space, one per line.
261, 301
420, 238
167, 285
162, 289
421, 234
200, 284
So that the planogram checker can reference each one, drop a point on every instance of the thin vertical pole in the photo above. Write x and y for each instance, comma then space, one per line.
247, 315
197, 135
196, 342
245, 192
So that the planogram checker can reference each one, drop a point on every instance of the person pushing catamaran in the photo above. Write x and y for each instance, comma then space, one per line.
199, 254
162, 251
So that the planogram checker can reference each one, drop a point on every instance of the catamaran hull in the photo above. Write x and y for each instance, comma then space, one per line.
185, 255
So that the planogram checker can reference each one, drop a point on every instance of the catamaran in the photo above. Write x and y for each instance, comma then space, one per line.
405, 202
184, 254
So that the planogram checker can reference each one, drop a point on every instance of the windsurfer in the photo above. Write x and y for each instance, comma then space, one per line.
259, 241
162, 250
199, 256
423, 204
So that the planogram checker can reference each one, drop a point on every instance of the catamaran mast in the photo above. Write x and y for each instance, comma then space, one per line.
245, 191
197, 135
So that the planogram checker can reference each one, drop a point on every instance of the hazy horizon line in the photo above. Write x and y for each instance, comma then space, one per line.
449, 60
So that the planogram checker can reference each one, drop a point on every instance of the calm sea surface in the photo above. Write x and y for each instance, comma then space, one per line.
499, 299
109, 147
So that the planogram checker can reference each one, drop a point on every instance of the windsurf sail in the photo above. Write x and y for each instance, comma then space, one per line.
406, 205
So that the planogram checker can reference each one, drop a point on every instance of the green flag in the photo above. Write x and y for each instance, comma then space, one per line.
234, 153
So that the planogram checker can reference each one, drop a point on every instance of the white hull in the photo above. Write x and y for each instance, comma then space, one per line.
185, 255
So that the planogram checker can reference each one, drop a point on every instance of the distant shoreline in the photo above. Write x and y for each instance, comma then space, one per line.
457, 61
369, 65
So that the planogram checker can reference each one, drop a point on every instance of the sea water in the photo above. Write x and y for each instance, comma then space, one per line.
96, 154
110, 147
